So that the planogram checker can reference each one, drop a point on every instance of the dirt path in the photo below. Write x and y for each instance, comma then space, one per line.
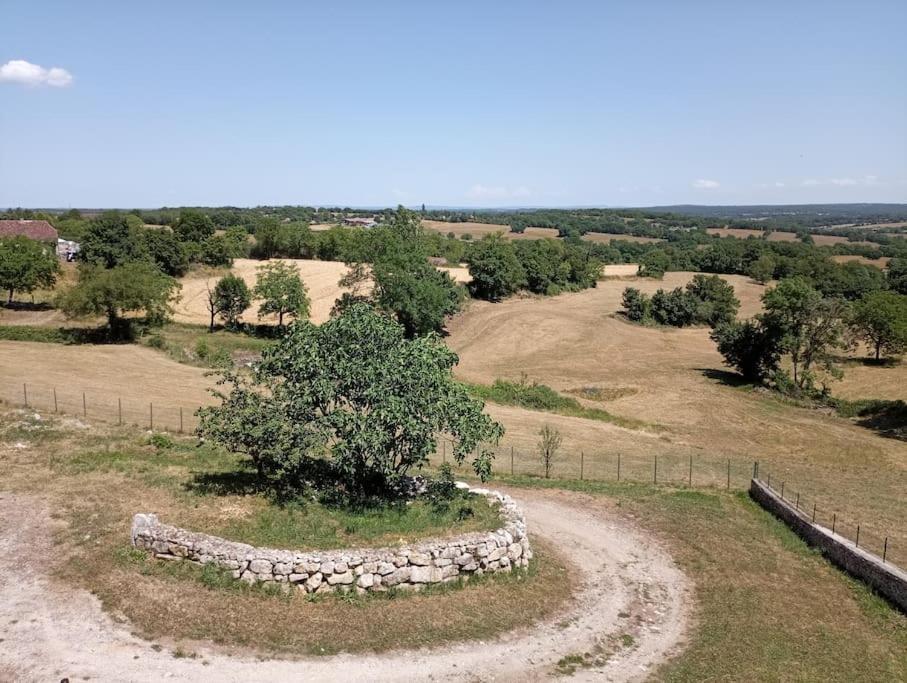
633, 601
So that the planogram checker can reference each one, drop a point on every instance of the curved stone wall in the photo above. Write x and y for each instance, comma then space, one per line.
366, 569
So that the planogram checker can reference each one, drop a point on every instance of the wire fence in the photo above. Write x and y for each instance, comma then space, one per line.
596, 463
864, 534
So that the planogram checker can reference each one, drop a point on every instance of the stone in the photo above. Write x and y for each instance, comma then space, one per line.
481, 550
248, 577
442, 561
283, 568
260, 566
420, 574
314, 581
340, 567
471, 567
298, 578
496, 554
366, 581
327, 568
515, 551
463, 560
385, 568
449, 571
399, 576
400, 561
311, 567
420, 559
370, 567
344, 578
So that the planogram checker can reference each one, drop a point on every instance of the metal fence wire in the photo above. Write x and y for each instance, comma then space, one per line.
590, 464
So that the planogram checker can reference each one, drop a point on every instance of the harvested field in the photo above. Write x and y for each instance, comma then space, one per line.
880, 262
620, 270
458, 273
322, 226
477, 230
320, 277
534, 234
608, 237
743, 233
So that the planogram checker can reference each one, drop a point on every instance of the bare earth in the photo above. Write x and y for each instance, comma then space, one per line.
633, 588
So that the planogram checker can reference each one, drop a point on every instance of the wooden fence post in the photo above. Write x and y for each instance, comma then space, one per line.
618, 466
150, 416
655, 472
511, 461
25, 393
582, 456
119, 411
55, 400
728, 474
181, 419
84, 406
690, 479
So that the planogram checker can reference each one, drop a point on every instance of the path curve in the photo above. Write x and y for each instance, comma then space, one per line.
632, 588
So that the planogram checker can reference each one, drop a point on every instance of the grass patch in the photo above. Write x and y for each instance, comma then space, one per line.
603, 394
535, 396
195, 345
768, 607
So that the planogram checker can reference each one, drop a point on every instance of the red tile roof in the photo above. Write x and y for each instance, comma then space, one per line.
42, 231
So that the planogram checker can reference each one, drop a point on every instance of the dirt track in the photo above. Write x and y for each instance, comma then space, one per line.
632, 589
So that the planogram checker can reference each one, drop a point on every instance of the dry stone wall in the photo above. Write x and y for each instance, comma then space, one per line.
367, 569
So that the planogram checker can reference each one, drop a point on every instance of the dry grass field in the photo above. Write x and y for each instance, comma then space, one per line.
743, 233
608, 237
620, 270
320, 277
477, 230
534, 234
880, 263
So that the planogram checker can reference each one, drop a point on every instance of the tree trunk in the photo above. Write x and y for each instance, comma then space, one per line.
878, 349
211, 324
10, 300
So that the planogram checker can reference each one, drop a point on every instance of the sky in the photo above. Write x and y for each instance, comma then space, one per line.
487, 104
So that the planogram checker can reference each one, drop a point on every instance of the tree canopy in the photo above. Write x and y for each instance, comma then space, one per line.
26, 265
880, 320
282, 292
352, 406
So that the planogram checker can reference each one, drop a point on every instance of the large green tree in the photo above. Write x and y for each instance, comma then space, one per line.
352, 405
810, 327
495, 269
880, 320
193, 226
26, 265
110, 241
136, 287
282, 291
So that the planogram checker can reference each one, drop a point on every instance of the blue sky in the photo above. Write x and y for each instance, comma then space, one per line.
457, 103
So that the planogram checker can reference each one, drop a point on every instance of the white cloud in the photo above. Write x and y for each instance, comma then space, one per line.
778, 183
490, 192
704, 184
810, 182
26, 73
843, 182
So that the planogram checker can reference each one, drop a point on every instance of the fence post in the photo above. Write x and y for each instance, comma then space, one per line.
25, 393
834, 522
797, 504
181, 419
885, 549
756, 469
655, 472
120, 411
618, 466
84, 406
728, 474
814, 513
511, 461
55, 400
690, 478
858, 536
582, 457
151, 416
769, 479
443, 450
782, 490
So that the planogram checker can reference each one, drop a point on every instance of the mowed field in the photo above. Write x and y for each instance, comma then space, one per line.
477, 230
880, 262
320, 277
608, 237
781, 236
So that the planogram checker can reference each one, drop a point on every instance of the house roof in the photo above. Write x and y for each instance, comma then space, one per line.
42, 231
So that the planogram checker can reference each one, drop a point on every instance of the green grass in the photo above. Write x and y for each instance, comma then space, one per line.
766, 606
195, 345
34, 333
535, 396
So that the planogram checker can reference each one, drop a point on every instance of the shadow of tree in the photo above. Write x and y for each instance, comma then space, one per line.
726, 377
240, 482
886, 418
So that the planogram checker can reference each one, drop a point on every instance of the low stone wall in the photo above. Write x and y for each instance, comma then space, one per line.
367, 569
887, 579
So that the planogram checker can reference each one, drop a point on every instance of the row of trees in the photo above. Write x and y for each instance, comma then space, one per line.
808, 329
706, 300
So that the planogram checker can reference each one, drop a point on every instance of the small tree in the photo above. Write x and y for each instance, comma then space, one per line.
26, 265
193, 226
111, 241
282, 292
548, 447
112, 292
880, 320
231, 297
636, 305
750, 348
